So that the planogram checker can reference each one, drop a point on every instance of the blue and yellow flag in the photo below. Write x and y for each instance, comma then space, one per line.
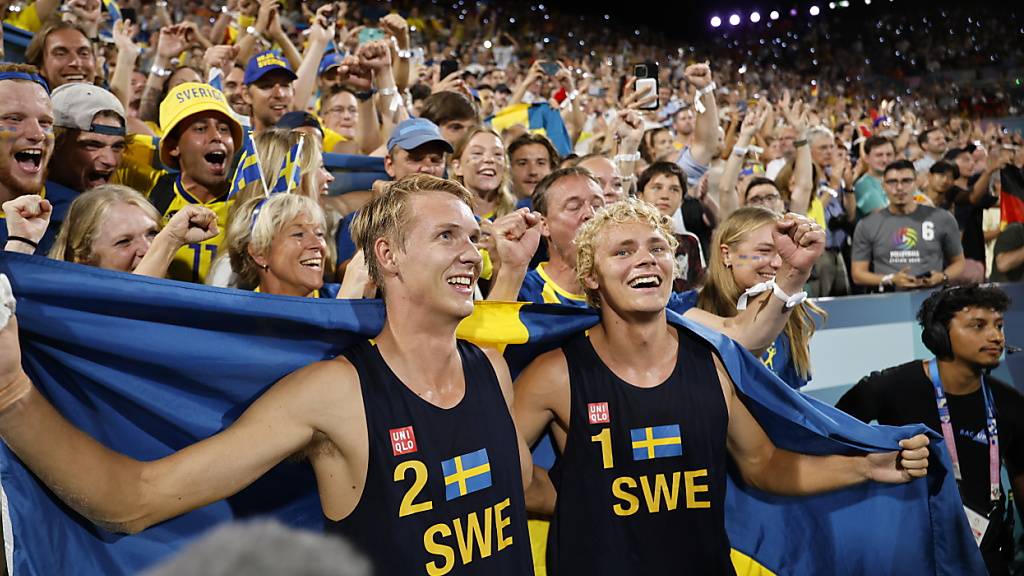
538, 119
656, 442
249, 170
290, 175
73, 320
113, 9
466, 474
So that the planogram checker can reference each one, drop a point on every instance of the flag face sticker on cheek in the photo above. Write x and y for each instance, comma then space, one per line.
466, 474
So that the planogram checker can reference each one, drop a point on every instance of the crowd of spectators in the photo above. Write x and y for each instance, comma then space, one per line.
129, 132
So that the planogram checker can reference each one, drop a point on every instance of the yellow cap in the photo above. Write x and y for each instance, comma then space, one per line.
189, 99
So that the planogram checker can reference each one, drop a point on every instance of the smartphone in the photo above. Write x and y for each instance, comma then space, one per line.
449, 67
550, 67
370, 34
129, 15
647, 80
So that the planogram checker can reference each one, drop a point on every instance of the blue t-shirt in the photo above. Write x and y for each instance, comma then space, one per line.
779, 359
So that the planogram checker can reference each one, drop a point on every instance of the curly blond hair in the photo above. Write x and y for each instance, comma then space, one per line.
621, 212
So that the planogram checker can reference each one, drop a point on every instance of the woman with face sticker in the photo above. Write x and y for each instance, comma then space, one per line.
743, 256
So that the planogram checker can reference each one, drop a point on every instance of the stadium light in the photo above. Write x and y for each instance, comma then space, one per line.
774, 15
716, 21
815, 11
734, 20
755, 17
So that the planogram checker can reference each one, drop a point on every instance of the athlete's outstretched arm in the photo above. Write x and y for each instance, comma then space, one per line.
127, 495
799, 242
779, 471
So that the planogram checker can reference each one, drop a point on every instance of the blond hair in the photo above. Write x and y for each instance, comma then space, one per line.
506, 201
86, 215
248, 235
622, 212
273, 146
388, 215
721, 291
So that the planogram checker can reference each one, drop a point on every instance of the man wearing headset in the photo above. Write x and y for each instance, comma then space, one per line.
981, 419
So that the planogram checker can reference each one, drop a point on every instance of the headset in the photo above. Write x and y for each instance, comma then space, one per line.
935, 335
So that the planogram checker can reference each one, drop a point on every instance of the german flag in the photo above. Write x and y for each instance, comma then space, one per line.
1011, 198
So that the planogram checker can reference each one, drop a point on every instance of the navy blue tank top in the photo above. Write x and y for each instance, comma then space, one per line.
641, 483
444, 491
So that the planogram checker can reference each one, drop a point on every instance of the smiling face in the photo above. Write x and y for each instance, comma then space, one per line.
294, 263
26, 138
482, 164
204, 148
608, 173
438, 264
633, 268
122, 238
427, 158
530, 164
571, 201
341, 112
270, 97
753, 259
977, 338
67, 58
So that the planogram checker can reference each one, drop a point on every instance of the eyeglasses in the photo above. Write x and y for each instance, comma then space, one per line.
763, 199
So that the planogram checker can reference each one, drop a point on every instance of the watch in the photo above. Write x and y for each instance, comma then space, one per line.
364, 96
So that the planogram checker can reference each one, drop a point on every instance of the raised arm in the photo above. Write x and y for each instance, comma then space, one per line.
320, 33
127, 56
27, 218
799, 241
728, 197
126, 495
190, 225
772, 469
516, 236
705, 130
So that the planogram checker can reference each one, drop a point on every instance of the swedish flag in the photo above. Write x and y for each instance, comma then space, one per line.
248, 170
113, 9
537, 118
466, 474
656, 442
290, 174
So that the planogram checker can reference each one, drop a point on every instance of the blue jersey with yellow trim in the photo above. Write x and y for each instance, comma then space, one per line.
643, 469
779, 359
443, 491
539, 288
192, 261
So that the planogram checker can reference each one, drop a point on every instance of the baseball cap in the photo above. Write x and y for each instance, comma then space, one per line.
330, 60
264, 62
298, 119
415, 132
187, 100
76, 105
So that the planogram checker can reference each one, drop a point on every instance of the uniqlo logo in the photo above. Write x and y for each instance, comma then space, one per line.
403, 441
597, 413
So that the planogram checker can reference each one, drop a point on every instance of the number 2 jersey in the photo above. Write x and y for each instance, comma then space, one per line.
641, 481
444, 489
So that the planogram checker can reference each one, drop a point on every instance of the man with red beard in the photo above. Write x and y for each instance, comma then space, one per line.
26, 142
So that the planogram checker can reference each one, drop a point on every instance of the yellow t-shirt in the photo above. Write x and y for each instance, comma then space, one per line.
192, 262
140, 166
332, 139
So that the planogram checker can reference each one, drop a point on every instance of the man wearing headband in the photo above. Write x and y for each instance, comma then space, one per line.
26, 139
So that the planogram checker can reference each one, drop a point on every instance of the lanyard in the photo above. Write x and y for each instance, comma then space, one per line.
990, 428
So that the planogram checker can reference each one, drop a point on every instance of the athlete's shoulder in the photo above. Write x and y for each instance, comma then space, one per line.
550, 368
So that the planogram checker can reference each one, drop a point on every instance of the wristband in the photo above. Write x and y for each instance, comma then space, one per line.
697, 104
886, 281
7, 301
788, 301
799, 143
755, 290
364, 96
628, 157
387, 91
405, 54
740, 150
23, 240
161, 72
755, 150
